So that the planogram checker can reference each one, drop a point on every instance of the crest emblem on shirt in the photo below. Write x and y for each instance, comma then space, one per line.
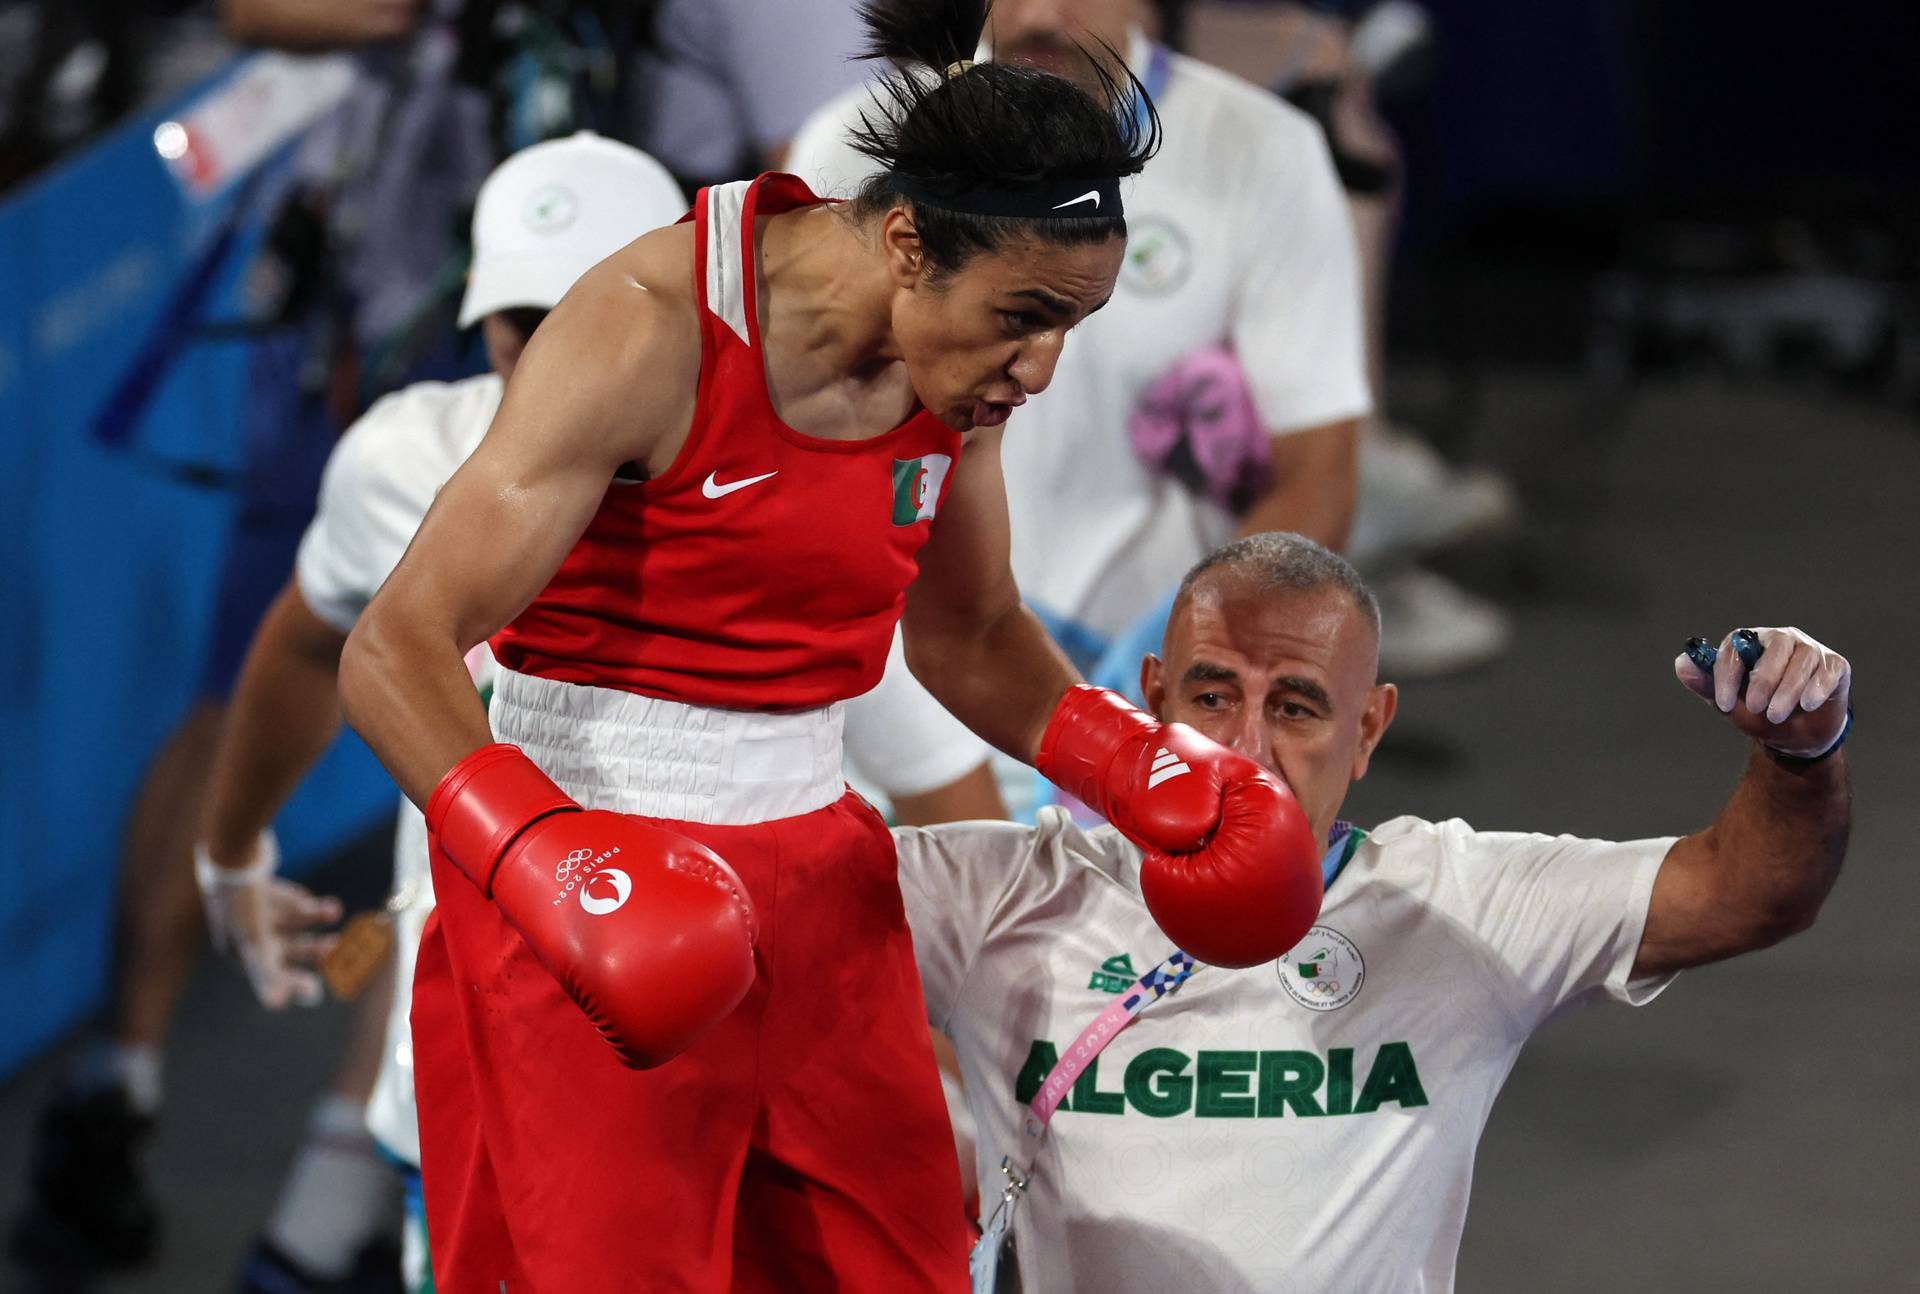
1324, 971
1159, 257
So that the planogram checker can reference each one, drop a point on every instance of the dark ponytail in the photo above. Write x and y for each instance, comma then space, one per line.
978, 150
932, 33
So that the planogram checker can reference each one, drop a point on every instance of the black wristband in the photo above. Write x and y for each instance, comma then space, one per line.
1801, 761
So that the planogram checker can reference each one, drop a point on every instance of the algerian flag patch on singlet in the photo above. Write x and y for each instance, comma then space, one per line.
916, 486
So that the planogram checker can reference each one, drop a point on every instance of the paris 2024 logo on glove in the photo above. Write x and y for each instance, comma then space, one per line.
602, 889
605, 891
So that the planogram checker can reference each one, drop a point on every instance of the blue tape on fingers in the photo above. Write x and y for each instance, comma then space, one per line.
1746, 645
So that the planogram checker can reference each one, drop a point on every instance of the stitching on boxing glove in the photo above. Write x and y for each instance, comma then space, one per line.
726, 878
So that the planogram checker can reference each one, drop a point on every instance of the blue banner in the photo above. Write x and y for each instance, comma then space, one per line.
120, 416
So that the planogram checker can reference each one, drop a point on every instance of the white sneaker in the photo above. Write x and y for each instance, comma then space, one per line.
1430, 626
1412, 501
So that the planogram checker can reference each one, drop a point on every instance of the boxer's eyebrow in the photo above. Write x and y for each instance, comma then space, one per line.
1059, 305
1207, 672
1304, 687
1047, 299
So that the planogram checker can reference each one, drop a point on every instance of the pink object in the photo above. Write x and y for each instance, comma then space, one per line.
1197, 422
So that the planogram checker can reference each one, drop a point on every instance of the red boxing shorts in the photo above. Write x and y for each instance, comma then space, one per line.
803, 1145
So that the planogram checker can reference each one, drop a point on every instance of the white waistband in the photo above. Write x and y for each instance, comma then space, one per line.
664, 759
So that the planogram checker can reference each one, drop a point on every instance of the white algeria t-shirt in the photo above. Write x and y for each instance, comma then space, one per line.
378, 484
1307, 1125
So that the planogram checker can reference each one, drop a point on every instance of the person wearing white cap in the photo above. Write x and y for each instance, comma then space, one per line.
543, 218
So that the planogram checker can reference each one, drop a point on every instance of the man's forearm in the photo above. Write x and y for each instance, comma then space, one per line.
1315, 475
1780, 840
312, 26
282, 717
1002, 681
972, 797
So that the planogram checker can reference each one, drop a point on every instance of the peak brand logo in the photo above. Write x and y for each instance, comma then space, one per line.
1166, 767
607, 890
1116, 974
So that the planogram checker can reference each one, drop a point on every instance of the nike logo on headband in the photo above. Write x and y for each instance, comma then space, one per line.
1090, 193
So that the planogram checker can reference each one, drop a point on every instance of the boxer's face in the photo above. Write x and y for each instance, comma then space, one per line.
1285, 677
979, 340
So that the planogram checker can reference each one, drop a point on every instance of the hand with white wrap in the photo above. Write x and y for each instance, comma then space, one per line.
1793, 699
276, 927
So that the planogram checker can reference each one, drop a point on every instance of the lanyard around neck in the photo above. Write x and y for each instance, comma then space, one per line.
1016, 1169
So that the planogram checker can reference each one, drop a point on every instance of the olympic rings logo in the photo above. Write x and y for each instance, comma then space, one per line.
571, 863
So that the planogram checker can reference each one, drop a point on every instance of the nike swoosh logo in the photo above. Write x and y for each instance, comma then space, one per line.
1090, 193
714, 490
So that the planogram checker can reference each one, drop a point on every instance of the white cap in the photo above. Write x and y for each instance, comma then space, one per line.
551, 212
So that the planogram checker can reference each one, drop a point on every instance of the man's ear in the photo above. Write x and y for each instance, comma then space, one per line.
900, 240
1381, 706
1153, 685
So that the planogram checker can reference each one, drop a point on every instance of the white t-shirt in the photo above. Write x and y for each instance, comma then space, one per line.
379, 482
1308, 1125
1238, 232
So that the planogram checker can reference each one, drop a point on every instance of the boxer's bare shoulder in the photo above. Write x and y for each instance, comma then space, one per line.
652, 276
625, 342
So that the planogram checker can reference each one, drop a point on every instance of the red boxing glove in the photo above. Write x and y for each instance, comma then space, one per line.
650, 933
1232, 873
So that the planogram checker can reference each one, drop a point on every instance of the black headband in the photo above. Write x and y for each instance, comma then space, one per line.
1048, 200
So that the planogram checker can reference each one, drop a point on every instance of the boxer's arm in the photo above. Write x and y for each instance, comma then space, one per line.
1762, 870
284, 714
1314, 482
968, 639
608, 379
971, 797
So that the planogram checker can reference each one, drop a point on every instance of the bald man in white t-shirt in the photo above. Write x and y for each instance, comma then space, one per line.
1310, 1125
